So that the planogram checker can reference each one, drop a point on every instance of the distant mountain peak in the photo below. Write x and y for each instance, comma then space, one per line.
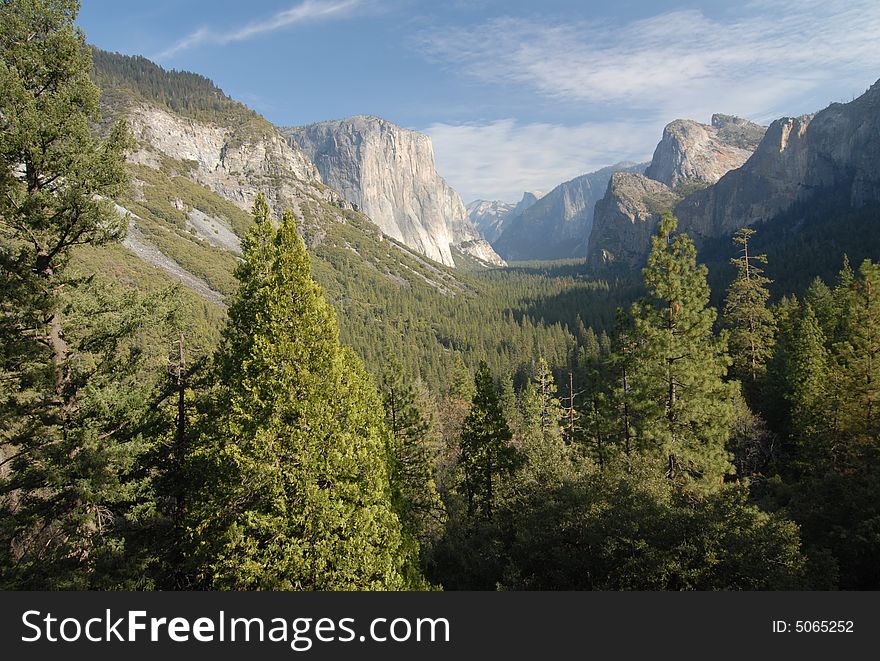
492, 216
389, 173
694, 153
556, 225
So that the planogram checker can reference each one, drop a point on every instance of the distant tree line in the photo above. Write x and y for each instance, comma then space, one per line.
186, 93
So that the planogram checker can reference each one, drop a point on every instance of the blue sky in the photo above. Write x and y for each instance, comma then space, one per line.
516, 95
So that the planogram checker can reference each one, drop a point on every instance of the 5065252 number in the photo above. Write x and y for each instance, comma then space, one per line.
823, 626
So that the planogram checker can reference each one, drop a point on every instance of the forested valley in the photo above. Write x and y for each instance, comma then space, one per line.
533, 427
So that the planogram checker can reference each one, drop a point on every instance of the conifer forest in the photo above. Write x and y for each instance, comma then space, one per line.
347, 415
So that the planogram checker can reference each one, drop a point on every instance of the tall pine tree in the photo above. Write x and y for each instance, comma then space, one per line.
486, 452
752, 325
69, 397
547, 455
413, 455
686, 409
295, 487
807, 387
856, 367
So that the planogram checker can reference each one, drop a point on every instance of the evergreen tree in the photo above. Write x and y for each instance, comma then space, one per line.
547, 456
295, 487
828, 306
856, 367
486, 453
776, 404
64, 435
509, 402
413, 454
824, 384
751, 323
806, 373
622, 366
686, 409
616, 531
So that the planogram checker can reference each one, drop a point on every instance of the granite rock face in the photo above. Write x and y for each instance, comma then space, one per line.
558, 225
388, 173
626, 218
689, 158
234, 165
835, 150
695, 153
492, 217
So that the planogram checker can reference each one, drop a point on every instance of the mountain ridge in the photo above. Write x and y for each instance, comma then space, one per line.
689, 157
557, 225
492, 216
835, 150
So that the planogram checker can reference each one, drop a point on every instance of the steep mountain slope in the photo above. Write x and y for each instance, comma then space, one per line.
388, 173
689, 157
202, 157
197, 171
492, 217
837, 151
557, 225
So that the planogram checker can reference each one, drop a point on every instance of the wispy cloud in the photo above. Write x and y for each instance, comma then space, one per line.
310, 10
753, 58
501, 159
760, 60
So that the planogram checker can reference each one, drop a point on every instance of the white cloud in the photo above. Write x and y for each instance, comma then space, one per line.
676, 59
761, 60
501, 159
310, 10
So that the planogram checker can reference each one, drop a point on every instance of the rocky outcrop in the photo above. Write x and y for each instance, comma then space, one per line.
235, 162
388, 173
834, 153
558, 225
492, 217
626, 217
836, 150
689, 158
695, 154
